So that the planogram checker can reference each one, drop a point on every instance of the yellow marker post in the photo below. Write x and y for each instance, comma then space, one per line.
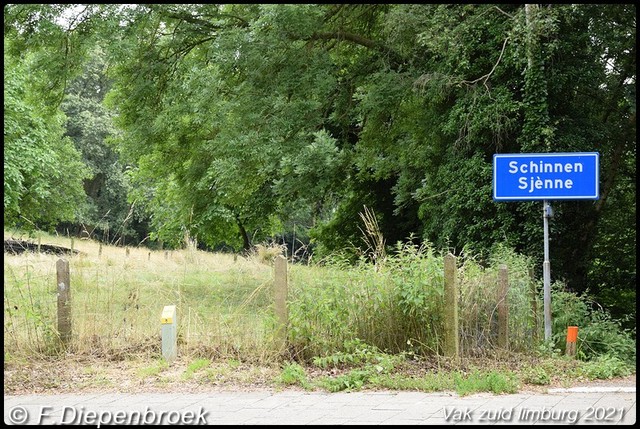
169, 333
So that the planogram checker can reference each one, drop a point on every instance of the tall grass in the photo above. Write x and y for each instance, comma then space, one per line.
398, 306
479, 297
223, 306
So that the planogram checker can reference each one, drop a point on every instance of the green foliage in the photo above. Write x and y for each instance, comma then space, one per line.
293, 374
486, 381
605, 367
384, 308
225, 306
429, 382
43, 171
477, 312
352, 380
195, 366
367, 363
355, 353
90, 125
536, 375
598, 334
397, 307
154, 369
240, 120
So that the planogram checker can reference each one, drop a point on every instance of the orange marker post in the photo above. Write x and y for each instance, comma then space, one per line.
572, 338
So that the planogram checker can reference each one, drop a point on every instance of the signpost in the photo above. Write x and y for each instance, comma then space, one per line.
546, 176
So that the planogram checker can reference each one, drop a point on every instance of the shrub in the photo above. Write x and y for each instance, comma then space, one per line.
605, 367
598, 334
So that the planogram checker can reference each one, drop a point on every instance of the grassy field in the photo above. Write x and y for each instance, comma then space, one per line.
350, 326
117, 300
225, 303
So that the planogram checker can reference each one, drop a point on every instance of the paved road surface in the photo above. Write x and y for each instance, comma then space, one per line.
560, 406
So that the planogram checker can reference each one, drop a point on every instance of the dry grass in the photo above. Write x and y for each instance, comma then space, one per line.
135, 375
117, 300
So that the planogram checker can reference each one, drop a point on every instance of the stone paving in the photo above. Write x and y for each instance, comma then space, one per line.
289, 407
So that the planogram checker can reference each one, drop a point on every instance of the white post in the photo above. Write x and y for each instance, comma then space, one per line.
169, 333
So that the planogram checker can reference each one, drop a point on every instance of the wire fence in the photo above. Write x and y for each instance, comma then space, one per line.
225, 305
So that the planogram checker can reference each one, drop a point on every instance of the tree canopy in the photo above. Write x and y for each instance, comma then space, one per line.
240, 120
43, 171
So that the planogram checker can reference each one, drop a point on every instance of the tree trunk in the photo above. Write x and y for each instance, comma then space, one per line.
246, 242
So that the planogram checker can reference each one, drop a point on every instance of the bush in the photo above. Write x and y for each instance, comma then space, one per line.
598, 334
605, 367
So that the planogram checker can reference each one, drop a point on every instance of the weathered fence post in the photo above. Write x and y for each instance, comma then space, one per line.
166, 254
503, 307
64, 300
72, 245
169, 333
100, 250
127, 251
280, 297
451, 340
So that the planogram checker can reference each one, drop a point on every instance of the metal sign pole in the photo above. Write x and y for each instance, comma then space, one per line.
544, 177
546, 271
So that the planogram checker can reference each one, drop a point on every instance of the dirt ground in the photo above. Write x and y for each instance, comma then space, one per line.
80, 376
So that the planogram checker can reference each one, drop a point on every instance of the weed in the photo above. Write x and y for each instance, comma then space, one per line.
536, 375
605, 367
194, 367
369, 363
266, 253
352, 380
351, 315
153, 370
293, 374
598, 334
481, 381
430, 382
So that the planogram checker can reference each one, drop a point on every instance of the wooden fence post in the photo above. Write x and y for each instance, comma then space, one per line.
280, 297
451, 337
100, 250
127, 251
503, 307
64, 300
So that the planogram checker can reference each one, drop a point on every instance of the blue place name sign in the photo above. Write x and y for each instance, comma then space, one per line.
546, 176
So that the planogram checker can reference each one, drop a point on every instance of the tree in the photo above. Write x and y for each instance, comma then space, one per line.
43, 172
240, 119
90, 125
